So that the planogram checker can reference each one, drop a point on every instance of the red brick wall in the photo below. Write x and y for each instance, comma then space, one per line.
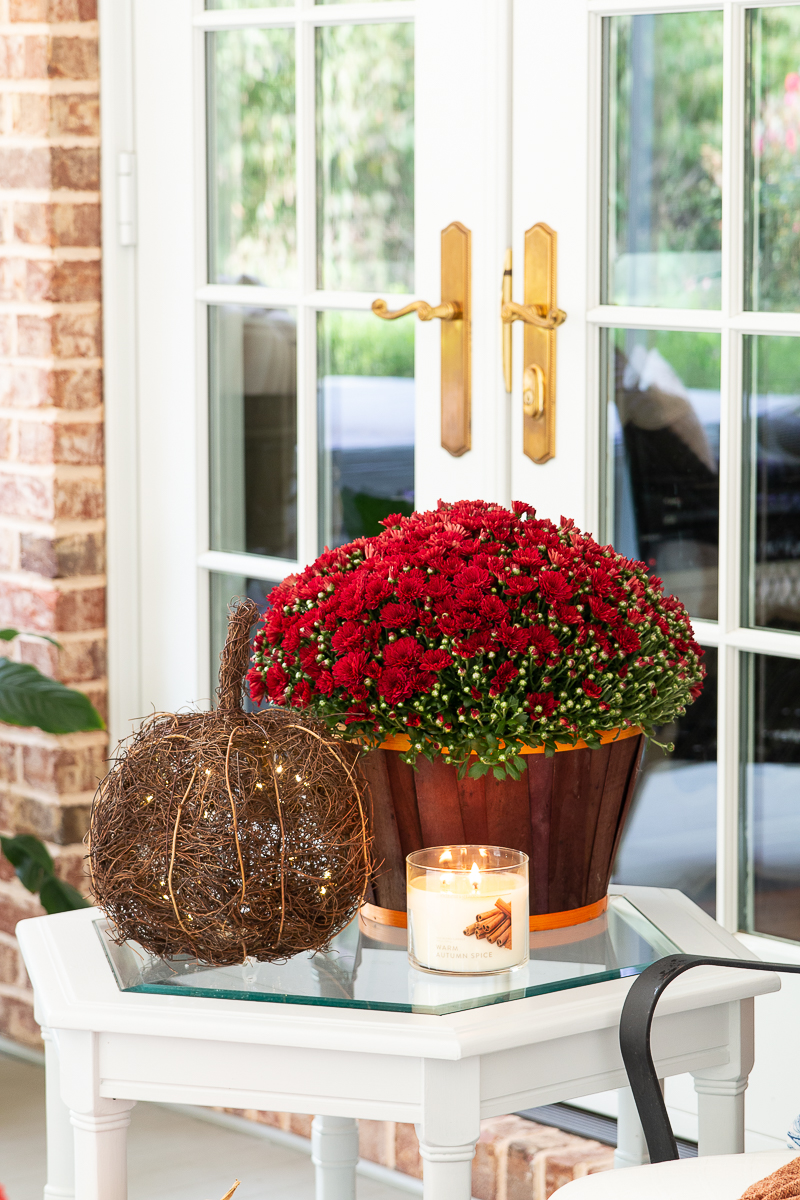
52, 533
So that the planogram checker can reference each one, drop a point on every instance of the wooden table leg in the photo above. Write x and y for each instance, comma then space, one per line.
60, 1149
99, 1123
101, 1160
334, 1153
450, 1127
720, 1090
631, 1148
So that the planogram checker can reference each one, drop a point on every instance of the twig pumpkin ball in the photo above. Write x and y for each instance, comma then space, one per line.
226, 835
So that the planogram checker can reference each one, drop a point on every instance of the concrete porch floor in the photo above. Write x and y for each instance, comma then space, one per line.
171, 1156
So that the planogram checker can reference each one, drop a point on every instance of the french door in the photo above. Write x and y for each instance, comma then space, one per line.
676, 204
296, 162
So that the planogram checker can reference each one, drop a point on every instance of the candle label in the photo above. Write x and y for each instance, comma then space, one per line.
468, 933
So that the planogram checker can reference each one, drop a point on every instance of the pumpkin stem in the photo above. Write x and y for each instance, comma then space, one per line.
235, 658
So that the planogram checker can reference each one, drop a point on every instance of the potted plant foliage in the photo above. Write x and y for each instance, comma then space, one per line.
504, 672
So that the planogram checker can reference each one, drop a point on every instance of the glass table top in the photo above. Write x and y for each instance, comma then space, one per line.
367, 968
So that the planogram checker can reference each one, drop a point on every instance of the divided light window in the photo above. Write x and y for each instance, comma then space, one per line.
700, 350
309, 139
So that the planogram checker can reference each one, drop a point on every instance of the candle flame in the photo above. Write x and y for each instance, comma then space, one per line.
484, 853
447, 856
447, 880
475, 877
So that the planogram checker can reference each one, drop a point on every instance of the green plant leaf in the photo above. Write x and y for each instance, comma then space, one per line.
478, 769
30, 859
24, 845
57, 896
8, 635
27, 697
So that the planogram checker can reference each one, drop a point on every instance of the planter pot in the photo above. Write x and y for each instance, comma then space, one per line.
566, 812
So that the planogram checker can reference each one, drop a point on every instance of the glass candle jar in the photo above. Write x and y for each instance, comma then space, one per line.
467, 909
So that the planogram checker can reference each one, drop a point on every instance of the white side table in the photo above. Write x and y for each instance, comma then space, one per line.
318, 1054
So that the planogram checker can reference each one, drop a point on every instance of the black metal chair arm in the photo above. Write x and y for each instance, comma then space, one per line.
634, 1040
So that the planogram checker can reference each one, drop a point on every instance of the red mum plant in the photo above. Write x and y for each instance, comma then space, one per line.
477, 631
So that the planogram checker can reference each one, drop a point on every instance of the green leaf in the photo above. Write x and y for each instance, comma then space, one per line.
8, 635
30, 859
498, 772
478, 769
27, 697
17, 849
57, 896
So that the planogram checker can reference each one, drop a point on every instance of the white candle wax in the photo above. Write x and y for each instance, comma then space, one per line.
443, 905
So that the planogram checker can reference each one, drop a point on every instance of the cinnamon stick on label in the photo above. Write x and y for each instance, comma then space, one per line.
497, 933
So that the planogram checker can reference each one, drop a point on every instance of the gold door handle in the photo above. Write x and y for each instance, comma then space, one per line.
532, 314
449, 310
541, 317
456, 344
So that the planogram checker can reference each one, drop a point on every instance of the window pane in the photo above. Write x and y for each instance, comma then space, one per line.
251, 157
663, 151
772, 462
253, 430
772, 131
670, 839
366, 423
662, 469
365, 158
771, 787
224, 589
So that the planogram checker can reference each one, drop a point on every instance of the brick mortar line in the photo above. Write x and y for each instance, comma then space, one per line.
58, 528
51, 364
59, 141
86, 30
20, 736
48, 308
55, 471
53, 416
72, 637
12, 992
25, 252
41, 583
48, 796
51, 87
28, 195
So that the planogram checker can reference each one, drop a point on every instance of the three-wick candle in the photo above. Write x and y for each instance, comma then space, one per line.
467, 909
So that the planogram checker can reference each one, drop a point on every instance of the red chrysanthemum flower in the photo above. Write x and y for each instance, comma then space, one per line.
469, 621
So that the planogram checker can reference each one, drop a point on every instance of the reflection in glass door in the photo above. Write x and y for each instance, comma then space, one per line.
310, 216
700, 403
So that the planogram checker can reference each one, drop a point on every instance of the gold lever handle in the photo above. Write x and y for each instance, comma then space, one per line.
455, 331
532, 314
541, 317
449, 310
